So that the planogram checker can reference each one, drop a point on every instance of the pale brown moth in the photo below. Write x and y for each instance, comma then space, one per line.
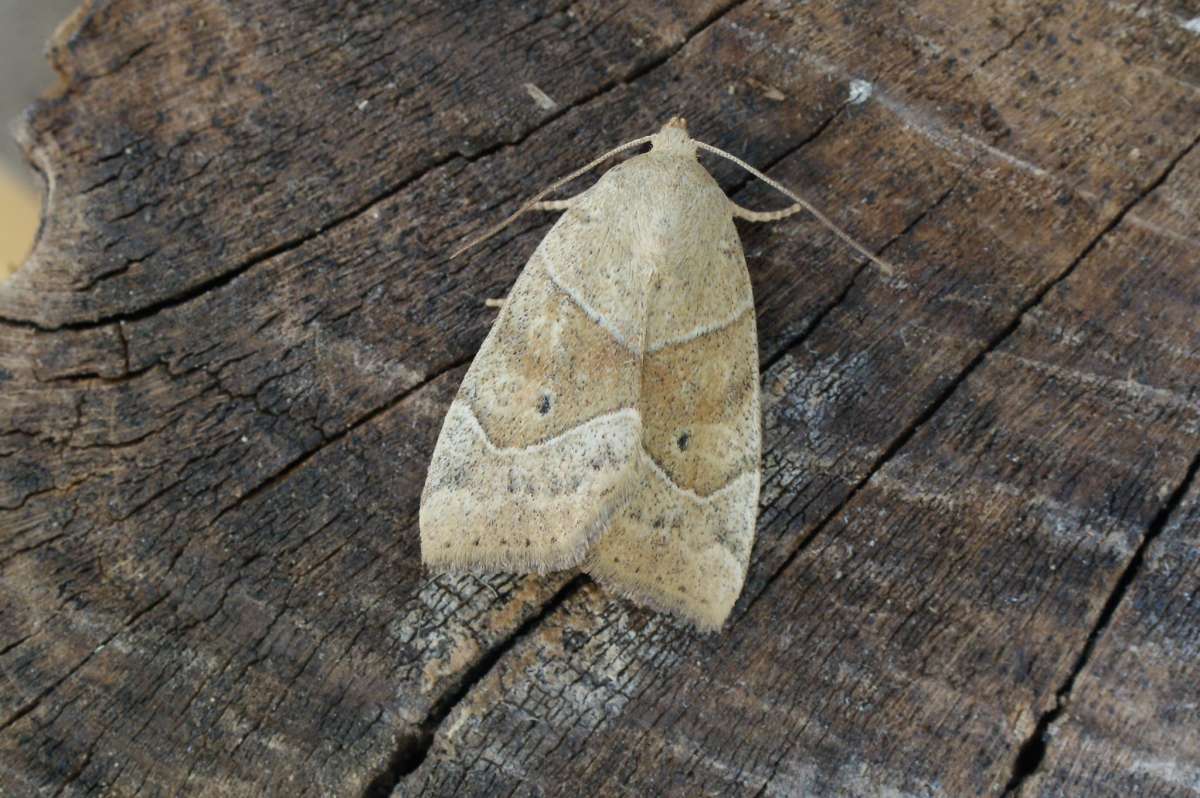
610, 421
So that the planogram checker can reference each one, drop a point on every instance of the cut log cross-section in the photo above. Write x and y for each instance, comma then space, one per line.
224, 366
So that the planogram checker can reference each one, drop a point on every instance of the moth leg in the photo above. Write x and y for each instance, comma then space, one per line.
764, 216
539, 205
495, 303
552, 205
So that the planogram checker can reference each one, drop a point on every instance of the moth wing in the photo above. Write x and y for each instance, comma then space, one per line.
538, 447
683, 541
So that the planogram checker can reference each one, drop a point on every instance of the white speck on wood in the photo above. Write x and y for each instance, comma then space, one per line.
1170, 771
860, 92
543, 100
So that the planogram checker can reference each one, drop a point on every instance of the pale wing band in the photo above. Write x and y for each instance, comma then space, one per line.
578, 429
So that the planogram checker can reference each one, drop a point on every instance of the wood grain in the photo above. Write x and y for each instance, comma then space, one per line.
223, 369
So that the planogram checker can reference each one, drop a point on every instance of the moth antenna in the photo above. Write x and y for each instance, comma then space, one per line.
801, 204
534, 200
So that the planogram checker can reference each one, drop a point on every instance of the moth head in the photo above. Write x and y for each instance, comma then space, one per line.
674, 138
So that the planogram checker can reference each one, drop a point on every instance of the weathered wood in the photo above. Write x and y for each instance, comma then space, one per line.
225, 364
907, 635
1128, 725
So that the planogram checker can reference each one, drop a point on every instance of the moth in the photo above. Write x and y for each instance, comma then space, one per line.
610, 421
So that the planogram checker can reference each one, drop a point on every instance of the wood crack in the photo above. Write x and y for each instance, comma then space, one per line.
1050, 504
1032, 751
36, 701
820, 316
1029, 754
907, 434
415, 746
225, 278
1008, 45
365, 418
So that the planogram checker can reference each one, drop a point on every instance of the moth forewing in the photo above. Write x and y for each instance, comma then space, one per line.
611, 418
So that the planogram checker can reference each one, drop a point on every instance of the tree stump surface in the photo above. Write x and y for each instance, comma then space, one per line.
224, 366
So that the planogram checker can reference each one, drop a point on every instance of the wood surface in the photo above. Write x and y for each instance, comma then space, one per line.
223, 369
